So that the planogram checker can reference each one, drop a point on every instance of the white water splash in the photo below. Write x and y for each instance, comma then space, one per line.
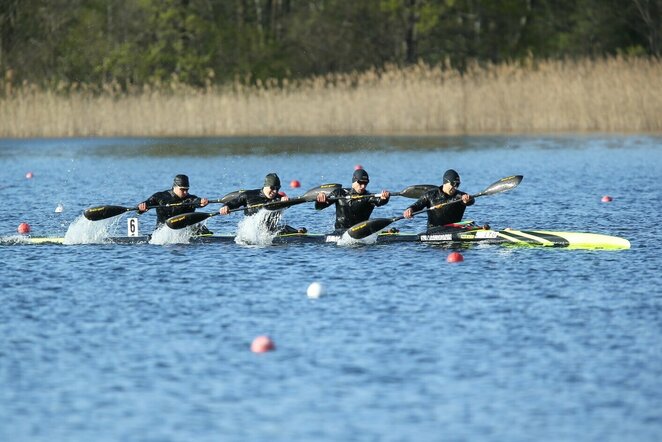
347, 241
84, 231
166, 235
253, 230
15, 239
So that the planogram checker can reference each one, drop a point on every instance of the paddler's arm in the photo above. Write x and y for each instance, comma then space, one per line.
420, 204
151, 201
233, 204
322, 201
382, 199
199, 202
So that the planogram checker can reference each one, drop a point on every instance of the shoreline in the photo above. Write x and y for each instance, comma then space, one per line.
282, 136
553, 97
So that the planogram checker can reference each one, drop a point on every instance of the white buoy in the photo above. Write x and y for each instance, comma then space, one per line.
59, 208
315, 290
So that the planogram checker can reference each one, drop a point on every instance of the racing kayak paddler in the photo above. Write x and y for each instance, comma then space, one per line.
438, 219
178, 194
267, 194
352, 207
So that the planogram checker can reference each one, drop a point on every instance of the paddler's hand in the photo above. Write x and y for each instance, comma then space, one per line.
204, 202
408, 213
466, 198
284, 198
224, 210
142, 207
385, 194
321, 197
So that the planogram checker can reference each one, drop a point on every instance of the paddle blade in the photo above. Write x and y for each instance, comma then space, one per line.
417, 190
311, 195
277, 205
229, 197
105, 212
187, 219
503, 185
367, 228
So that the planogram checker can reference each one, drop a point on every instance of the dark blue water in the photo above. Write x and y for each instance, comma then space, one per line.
147, 342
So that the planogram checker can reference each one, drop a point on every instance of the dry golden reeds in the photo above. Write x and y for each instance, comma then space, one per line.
611, 95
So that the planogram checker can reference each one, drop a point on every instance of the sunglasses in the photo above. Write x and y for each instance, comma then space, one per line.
454, 183
274, 188
364, 183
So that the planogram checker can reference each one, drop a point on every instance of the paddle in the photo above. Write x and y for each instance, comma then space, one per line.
188, 219
414, 191
367, 228
104, 212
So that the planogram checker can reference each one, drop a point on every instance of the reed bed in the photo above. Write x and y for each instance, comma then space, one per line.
609, 95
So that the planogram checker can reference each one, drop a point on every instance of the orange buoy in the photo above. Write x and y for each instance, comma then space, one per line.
607, 199
295, 184
262, 344
23, 228
455, 257
357, 167
29, 175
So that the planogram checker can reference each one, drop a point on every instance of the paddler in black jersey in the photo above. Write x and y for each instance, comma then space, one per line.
353, 205
178, 195
267, 194
439, 219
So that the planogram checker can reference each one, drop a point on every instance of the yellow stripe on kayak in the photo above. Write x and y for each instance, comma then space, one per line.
542, 241
43, 240
582, 240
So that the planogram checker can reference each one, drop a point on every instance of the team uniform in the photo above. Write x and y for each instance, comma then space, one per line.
188, 204
442, 216
351, 207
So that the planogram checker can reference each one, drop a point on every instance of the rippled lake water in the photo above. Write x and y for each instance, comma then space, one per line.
151, 342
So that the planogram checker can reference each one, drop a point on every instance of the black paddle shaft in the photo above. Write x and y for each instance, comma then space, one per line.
104, 212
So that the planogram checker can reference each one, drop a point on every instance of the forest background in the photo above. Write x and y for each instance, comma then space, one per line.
227, 67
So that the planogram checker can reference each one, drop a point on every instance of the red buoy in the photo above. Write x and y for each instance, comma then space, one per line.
23, 228
29, 175
262, 344
295, 184
607, 199
357, 167
455, 257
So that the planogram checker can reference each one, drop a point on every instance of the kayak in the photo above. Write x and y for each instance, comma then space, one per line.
569, 240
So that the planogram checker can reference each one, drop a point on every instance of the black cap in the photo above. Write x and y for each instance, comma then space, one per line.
272, 180
181, 181
451, 176
360, 175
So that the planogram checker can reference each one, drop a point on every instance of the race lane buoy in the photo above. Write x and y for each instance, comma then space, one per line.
295, 184
455, 257
262, 344
23, 228
315, 290
59, 208
607, 199
29, 175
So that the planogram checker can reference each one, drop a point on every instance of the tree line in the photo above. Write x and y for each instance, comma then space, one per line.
212, 42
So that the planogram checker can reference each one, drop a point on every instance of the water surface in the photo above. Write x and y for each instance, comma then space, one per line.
148, 342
